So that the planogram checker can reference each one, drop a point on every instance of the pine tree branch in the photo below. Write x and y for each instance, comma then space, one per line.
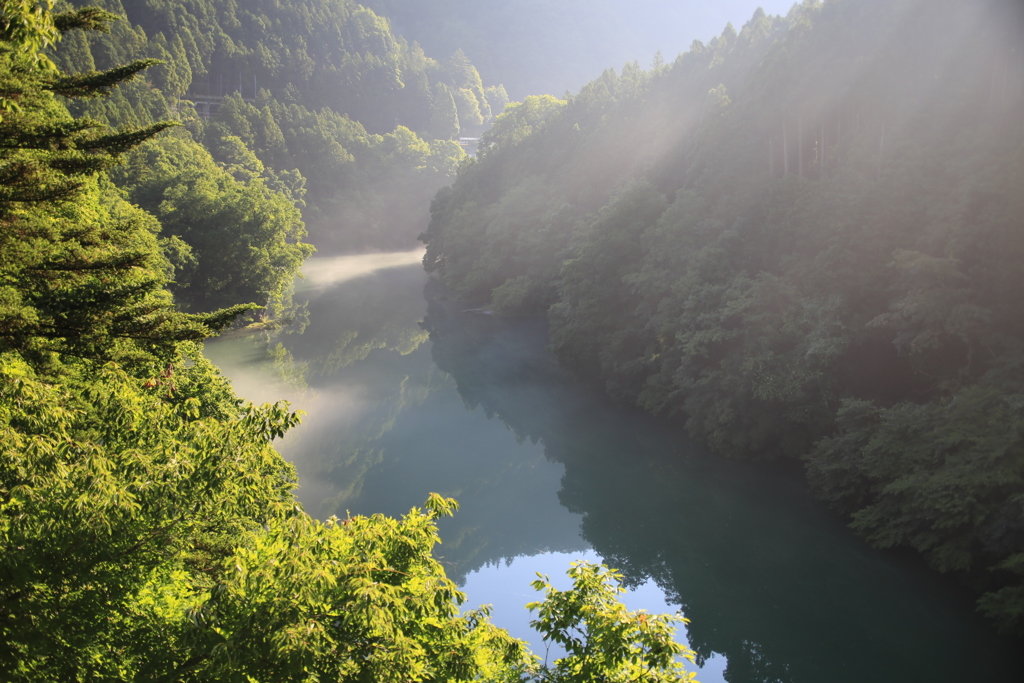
98, 83
86, 19
48, 137
218, 320
119, 143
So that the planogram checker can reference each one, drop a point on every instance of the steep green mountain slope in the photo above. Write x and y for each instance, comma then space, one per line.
802, 239
317, 101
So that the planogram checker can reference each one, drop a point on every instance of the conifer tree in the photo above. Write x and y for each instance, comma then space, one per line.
81, 271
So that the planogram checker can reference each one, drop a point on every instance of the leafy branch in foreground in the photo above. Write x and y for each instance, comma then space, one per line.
603, 640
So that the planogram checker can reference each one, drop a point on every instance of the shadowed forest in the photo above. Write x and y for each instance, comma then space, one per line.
801, 240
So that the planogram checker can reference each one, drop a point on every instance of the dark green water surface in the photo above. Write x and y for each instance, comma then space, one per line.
408, 393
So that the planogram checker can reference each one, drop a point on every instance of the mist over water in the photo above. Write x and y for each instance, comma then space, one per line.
324, 272
407, 393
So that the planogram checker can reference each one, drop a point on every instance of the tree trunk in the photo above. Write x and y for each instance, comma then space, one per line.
839, 132
800, 145
785, 152
822, 150
881, 148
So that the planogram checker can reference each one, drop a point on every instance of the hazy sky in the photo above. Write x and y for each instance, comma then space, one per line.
536, 46
681, 21
672, 25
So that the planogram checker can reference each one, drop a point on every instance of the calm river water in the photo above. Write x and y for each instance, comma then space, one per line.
406, 393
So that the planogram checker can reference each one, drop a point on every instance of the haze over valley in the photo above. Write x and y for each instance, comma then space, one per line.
322, 324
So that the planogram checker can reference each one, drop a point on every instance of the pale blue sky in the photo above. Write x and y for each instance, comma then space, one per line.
674, 24
702, 19
538, 46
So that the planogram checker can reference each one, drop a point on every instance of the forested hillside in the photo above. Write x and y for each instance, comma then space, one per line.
803, 240
316, 104
148, 528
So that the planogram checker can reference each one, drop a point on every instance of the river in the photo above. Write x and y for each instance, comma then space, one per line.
407, 393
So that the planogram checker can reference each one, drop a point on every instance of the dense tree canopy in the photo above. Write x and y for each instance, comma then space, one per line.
244, 239
320, 92
801, 239
82, 272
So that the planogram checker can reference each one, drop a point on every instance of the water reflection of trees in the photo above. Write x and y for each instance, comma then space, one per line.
767, 577
387, 427
354, 408
362, 315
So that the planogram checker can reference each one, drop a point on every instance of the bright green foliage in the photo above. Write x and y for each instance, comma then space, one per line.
149, 531
110, 483
792, 255
444, 117
81, 272
87, 280
353, 599
520, 119
26, 29
603, 640
245, 239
